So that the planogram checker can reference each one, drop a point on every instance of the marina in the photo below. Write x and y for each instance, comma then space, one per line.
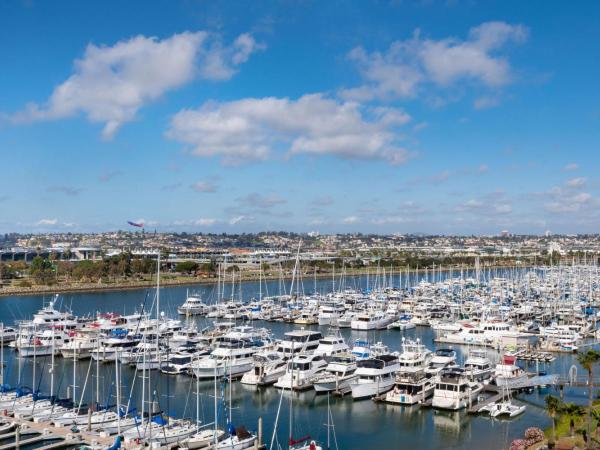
149, 370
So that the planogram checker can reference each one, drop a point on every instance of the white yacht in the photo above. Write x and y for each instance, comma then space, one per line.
81, 345
455, 390
508, 373
331, 345
371, 320
413, 385
231, 358
301, 372
478, 366
443, 358
375, 376
339, 373
193, 306
269, 366
330, 313
298, 341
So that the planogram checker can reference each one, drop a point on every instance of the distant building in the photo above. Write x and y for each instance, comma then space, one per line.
504, 233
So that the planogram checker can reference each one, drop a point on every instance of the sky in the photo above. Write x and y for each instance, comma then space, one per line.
444, 117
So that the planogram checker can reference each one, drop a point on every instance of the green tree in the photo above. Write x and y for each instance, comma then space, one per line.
186, 266
41, 270
553, 407
588, 360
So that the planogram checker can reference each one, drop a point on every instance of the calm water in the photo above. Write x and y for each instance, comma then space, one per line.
358, 425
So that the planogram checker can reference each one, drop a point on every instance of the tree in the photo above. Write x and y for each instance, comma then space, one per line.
41, 269
186, 266
553, 407
588, 360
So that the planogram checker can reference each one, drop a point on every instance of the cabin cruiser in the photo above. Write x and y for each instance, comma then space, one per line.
375, 376
330, 313
402, 324
371, 320
269, 366
508, 373
443, 358
412, 384
81, 344
192, 306
177, 363
49, 315
301, 372
339, 373
110, 348
455, 390
478, 366
7, 334
298, 341
231, 358
331, 345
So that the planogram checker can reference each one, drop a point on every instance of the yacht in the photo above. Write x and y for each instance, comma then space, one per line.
443, 358
231, 358
508, 373
331, 345
478, 366
330, 313
298, 341
339, 373
375, 376
402, 324
412, 384
371, 320
192, 306
454, 390
301, 372
81, 345
269, 366
177, 363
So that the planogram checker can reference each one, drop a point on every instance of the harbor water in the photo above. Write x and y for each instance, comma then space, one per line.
357, 424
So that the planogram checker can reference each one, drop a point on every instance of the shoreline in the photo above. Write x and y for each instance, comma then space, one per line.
166, 282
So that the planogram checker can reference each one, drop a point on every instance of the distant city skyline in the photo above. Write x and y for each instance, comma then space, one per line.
450, 117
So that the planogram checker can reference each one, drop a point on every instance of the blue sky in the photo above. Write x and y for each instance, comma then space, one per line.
453, 117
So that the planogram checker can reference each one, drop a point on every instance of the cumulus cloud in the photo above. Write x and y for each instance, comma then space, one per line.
349, 220
407, 65
204, 187
253, 128
488, 205
576, 182
110, 84
240, 219
46, 222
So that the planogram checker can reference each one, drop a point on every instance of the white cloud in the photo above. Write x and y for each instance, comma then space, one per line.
251, 129
567, 200
110, 84
486, 102
46, 222
408, 64
576, 182
239, 219
204, 187
349, 220
571, 166
205, 222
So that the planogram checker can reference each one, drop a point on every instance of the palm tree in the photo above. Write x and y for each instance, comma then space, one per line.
553, 406
573, 411
588, 360
596, 415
